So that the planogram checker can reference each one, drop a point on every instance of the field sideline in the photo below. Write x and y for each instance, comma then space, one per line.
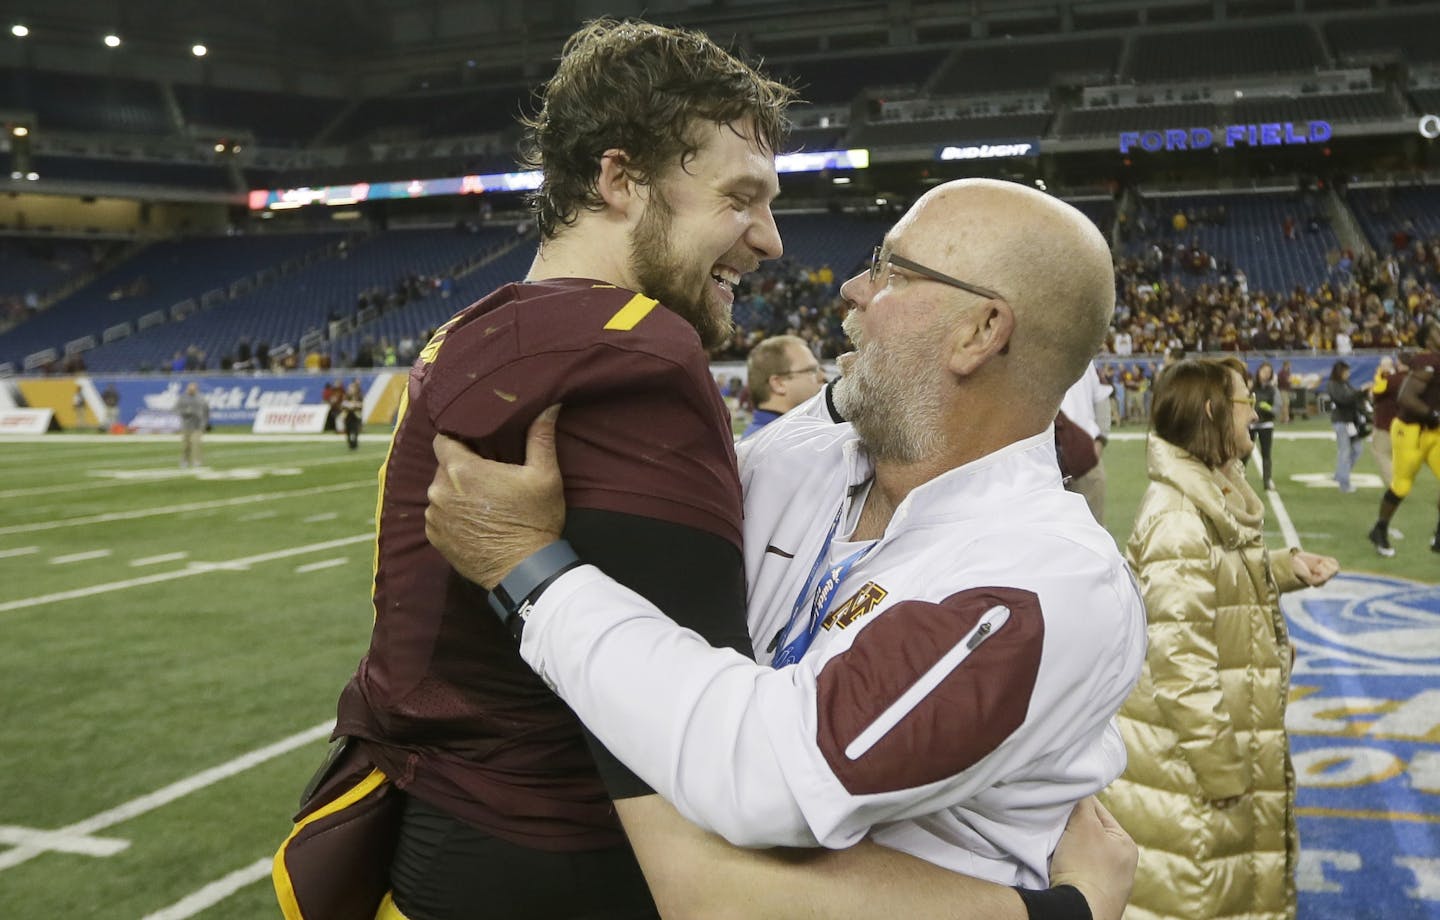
172, 643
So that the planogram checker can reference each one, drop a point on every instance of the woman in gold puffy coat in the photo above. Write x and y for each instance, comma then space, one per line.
1209, 791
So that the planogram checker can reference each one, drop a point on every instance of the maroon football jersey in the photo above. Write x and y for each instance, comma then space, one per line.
1431, 394
446, 705
1385, 404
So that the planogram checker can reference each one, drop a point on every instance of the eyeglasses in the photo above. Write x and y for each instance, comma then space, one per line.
1245, 400
881, 261
812, 369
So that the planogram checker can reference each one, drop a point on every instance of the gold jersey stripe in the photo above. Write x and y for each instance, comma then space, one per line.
280, 873
632, 313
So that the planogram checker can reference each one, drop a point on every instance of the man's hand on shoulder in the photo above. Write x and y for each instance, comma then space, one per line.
485, 517
1097, 857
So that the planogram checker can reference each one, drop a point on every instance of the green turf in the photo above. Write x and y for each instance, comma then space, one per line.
112, 696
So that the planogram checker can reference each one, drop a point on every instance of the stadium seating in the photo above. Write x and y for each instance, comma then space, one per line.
815, 138
950, 131
132, 172
1098, 121
1426, 100
841, 78
301, 302
1383, 211
78, 102
1224, 52
278, 119
41, 264
1027, 66
160, 276
474, 111
1252, 238
419, 317
1408, 36
1347, 107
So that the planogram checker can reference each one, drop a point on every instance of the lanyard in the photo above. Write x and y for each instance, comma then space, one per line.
824, 596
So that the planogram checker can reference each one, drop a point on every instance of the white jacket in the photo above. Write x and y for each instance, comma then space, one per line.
896, 723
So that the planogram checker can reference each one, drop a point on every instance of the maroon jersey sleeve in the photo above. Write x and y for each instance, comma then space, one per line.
1430, 393
442, 699
644, 430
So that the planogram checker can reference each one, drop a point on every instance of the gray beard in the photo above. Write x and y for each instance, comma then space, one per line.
895, 410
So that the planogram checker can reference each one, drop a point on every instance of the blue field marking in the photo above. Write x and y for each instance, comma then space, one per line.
1365, 734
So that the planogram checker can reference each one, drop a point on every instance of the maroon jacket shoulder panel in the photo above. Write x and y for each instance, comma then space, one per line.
975, 707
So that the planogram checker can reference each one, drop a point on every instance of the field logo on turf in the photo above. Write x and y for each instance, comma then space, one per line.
1366, 624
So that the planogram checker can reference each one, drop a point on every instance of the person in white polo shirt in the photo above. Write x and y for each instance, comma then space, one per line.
943, 634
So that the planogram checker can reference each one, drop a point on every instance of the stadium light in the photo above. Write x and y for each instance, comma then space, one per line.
219, 148
112, 41
19, 31
199, 50
32, 176
20, 131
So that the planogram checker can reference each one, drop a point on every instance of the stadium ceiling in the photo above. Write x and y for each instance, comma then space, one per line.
357, 34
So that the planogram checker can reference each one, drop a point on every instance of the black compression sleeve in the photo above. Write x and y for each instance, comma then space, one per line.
696, 578
1062, 903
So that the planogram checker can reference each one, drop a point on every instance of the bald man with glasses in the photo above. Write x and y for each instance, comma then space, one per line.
782, 373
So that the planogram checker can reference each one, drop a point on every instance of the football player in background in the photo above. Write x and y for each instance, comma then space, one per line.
1414, 435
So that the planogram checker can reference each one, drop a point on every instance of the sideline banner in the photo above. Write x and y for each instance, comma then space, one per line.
291, 420
235, 399
25, 421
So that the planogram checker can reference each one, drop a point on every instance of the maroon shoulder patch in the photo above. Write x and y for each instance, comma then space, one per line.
969, 712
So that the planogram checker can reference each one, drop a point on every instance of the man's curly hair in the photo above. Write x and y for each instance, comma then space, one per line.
640, 88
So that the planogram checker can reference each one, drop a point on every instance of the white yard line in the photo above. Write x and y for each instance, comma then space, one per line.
81, 845
19, 551
257, 516
80, 557
211, 438
156, 560
213, 893
194, 568
317, 518
1282, 517
317, 566
178, 790
181, 509
86, 485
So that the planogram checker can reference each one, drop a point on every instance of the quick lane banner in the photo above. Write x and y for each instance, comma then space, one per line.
1364, 722
233, 399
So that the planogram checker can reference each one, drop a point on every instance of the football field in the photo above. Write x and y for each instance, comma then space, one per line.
172, 643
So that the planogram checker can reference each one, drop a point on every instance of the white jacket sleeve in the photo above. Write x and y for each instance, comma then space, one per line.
819, 752
682, 714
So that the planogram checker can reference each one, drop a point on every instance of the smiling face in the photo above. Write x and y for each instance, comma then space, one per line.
707, 222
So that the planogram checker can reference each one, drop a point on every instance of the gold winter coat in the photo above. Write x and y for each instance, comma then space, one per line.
1207, 720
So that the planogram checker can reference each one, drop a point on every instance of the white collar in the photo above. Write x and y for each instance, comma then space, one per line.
1021, 466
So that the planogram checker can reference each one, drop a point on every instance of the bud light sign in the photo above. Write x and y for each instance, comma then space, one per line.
1265, 134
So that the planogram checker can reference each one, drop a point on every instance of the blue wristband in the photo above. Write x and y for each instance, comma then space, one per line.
512, 598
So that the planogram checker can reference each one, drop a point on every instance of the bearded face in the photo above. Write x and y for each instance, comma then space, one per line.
891, 393
679, 276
